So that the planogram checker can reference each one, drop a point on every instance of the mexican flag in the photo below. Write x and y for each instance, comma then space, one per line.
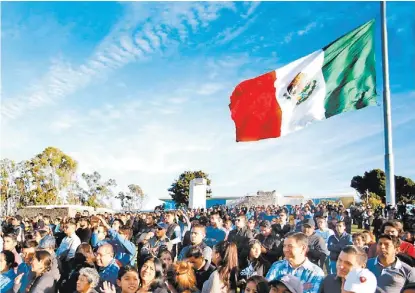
340, 77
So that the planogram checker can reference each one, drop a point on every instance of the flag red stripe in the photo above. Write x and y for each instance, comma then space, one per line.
255, 110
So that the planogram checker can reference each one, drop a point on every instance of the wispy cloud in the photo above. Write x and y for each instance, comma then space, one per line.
231, 33
288, 37
120, 47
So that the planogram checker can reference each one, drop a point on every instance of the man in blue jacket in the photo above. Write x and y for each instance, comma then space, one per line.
336, 243
124, 249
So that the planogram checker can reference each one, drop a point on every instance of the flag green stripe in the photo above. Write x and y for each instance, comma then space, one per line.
349, 71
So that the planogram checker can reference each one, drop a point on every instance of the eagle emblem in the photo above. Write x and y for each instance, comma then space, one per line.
300, 88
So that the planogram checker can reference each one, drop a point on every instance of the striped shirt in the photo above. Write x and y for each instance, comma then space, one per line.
310, 274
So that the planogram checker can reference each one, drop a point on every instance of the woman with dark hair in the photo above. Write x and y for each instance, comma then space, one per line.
181, 278
224, 279
255, 263
43, 280
84, 258
166, 258
128, 281
151, 276
7, 265
257, 284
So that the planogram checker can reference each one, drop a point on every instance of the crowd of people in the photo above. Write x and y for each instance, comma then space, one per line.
280, 249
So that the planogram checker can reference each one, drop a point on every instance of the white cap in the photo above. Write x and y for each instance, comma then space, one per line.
360, 280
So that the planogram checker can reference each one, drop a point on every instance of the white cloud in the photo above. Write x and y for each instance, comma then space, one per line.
230, 34
288, 37
116, 50
208, 89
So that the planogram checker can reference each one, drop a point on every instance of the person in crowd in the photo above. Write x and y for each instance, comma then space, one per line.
43, 281
322, 229
227, 227
395, 228
370, 241
84, 231
225, 278
18, 230
39, 234
203, 269
317, 248
251, 225
173, 232
7, 270
69, 244
391, 273
241, 236
271, 244
254, 263
159, 241
181, 278
48, 243
350, 257
336, 243
108, 267
286, 284
119, 237
84, 258
408, 236
128, 281
24, 269
166, 258
197, 235
214, 234
257, 284
296, 263
151, 276
347, 222
283, 227
87, 280
358, 240
377, 224
10, 243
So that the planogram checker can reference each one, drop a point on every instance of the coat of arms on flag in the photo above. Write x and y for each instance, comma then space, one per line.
300, 88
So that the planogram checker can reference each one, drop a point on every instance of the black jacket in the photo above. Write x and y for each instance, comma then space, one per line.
241, 238
203, 274
281, 230
273, 245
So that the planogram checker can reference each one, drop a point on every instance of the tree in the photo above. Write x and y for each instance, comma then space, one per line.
136, 196
98, 191
405, 189
47, 174
374, 182
133, 199
179, 190
9, 196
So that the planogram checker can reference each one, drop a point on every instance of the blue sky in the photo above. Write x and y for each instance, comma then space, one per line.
140, 91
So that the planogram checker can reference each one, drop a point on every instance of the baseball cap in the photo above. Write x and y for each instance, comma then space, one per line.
47, 242
292, 283
309, 222
360, 280
162, 225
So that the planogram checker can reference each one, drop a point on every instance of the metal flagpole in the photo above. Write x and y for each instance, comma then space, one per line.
387, 119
